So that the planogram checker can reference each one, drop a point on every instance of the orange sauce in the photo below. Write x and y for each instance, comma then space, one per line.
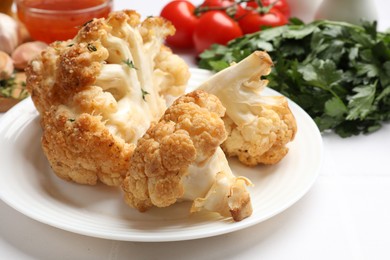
57, 20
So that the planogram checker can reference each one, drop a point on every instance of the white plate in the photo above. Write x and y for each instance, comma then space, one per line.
29, 185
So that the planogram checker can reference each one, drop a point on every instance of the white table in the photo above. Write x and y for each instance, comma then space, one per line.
345, 215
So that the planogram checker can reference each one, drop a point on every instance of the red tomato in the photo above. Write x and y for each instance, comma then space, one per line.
214, 4
281, 5
181, 14
214, 27
253, 21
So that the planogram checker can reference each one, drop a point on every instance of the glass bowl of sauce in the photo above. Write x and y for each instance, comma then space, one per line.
58, 20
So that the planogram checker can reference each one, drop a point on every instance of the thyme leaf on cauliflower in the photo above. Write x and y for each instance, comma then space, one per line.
144, 93
91, 47
87, 22
129, 63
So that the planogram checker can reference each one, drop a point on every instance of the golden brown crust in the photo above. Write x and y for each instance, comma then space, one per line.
188, 132
176, 75
93, 30
149, 31
67, 143
130, 17
63, 71
78, 67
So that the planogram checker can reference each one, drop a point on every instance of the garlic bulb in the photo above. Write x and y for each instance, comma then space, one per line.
6, 66
26, 52
9, 33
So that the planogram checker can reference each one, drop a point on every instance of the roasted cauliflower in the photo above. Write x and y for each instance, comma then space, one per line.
179, 158
98, 93
258, 126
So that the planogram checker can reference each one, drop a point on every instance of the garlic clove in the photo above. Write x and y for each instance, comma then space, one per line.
6, 66
9, 33
25, 52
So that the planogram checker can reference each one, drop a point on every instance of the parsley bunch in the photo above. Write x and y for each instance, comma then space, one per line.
337, 72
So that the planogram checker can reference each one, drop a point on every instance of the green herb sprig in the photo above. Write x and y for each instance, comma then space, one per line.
144, 93
129, 63
338, 72
91, 47
9, 87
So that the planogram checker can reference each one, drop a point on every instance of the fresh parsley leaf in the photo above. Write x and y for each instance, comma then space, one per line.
367, 69
296, 21
219, 65
299, 32
353, 53
338, 72
335, 107
360, 104
321, 73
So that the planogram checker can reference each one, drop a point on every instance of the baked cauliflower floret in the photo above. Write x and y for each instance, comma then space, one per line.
98, 93
170, 70
179, 159
259, 127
